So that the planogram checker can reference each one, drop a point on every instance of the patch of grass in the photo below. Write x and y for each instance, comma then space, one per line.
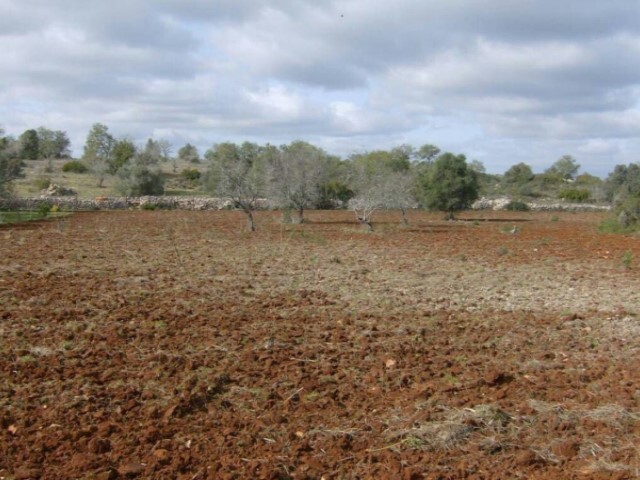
517, 206
612, 224
21, 216
627, 259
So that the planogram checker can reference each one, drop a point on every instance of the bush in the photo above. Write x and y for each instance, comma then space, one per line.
574, 194
190, 174
517, 206
137, 180
75, 166
625, 218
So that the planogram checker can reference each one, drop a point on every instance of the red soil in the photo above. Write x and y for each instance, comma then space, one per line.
177, 345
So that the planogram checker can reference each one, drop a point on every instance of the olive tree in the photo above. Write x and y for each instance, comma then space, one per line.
237, 173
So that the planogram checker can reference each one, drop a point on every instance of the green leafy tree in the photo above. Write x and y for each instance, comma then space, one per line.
518, 175
623, 182
124, 150
10, 164
450, 185
335, 190
189, 153
29, 145
98, 151
238, 173
427, 153
53, 143
371, 163
565, 168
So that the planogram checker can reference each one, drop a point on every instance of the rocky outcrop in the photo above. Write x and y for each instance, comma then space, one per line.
55, 190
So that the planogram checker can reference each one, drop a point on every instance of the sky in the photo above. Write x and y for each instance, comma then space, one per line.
500, 81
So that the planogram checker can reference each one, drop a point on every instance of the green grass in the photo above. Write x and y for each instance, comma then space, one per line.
85, 184
28, 216
612, 225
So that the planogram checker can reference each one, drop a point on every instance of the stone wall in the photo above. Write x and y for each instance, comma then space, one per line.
120, 203
213, 203
542, 206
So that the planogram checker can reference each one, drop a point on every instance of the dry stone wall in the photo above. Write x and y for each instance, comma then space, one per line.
550, 206
120, 203
213, 203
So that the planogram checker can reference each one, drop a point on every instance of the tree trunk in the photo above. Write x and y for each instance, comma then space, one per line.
405, 220
300, 215
250, 219
367, 223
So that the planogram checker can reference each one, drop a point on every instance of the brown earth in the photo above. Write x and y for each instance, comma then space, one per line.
174, 344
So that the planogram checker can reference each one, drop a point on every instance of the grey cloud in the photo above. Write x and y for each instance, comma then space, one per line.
501, 74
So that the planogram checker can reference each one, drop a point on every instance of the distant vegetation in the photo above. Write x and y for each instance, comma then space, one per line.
301, 176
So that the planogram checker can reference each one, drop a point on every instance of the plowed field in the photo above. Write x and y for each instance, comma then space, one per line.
168, 344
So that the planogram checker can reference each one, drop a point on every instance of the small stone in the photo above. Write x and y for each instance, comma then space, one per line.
161, 454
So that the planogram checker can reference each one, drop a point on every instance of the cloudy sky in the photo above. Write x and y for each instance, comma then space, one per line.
502, 81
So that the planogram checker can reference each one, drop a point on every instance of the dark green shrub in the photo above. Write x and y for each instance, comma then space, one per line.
574, 194
517, 206
190, 174
44, 209
75, 166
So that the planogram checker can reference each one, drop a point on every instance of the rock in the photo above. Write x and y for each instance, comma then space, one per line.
161, 454
55, 190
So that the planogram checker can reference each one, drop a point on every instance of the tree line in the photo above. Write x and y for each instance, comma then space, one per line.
300, 176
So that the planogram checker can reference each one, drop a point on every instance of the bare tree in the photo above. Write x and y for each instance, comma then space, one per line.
398, 192
382, 180
383, 191
238, 174
165, 149
297, 172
